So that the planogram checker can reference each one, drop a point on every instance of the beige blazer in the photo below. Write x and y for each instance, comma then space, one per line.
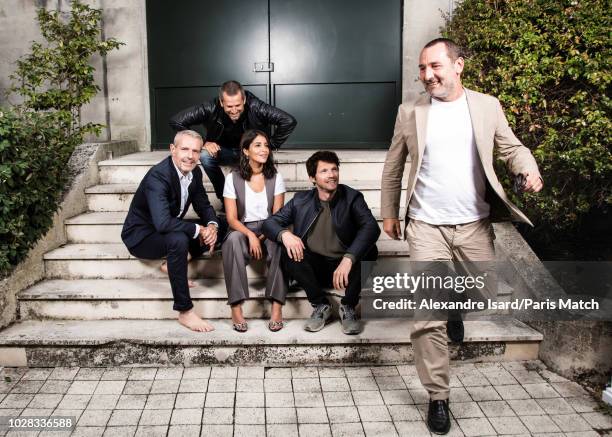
491, 130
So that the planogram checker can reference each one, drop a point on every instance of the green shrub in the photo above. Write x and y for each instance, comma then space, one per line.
548, 62
34, 151
38, 136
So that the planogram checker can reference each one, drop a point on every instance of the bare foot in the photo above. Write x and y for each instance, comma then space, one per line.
191, 320
164, 268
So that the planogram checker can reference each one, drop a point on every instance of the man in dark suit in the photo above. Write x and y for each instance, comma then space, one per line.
154, 226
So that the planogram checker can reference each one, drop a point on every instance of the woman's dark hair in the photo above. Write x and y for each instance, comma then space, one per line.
244, 168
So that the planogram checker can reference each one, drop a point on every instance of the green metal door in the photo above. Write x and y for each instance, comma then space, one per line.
335, 65
196, 45
337, 69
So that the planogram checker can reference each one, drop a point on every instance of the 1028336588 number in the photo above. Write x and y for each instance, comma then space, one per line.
40, 423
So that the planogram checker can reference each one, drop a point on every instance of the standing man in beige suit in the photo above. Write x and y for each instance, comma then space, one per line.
450, 135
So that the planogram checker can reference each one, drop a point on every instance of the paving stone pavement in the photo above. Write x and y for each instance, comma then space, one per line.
510, 399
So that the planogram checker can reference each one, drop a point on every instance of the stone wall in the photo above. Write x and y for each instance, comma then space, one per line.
123, 102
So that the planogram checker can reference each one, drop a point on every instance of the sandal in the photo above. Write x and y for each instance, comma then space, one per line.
275, 326
240, 327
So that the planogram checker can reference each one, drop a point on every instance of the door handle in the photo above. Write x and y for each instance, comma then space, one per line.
263, 67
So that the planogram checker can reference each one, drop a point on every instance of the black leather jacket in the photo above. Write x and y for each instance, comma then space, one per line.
355, 225
259, 115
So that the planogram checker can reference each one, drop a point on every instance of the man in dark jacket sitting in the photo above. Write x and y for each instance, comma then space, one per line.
225, 120
333, 231
154, 226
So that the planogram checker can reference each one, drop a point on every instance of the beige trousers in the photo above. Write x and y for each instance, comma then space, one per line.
466, 242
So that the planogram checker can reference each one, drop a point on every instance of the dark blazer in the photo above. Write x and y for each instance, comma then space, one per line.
355, 225
157, 202
259, 115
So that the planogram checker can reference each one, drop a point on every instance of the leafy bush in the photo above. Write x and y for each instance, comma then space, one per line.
548, 61
37, 137
34, 151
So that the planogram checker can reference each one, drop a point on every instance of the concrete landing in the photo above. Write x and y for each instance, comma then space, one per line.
134, 342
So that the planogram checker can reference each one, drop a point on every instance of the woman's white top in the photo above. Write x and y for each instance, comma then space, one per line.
255, 204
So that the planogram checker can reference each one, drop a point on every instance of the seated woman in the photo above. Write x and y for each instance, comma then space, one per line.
252, 192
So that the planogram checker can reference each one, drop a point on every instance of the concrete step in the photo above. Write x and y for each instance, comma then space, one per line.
354, 165
105, 227
117, 197
103, 299
165, 342
112, 260
100, 299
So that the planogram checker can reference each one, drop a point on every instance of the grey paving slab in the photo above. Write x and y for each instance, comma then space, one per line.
249, 431
74, 402
460, 394
280, 400
285, 430
280, 385
539, 424
338, 399
555, 406
331, 372
169, 373
347, 430
514, 391
116, 374
124, 418
94, 417
312, 415
496, 409
508, 425
465, 410
165, 386
131, 402
278, 373
186, 416
160, 401
155, 417
36, 374
250, 385
598, 420
193, 386
308, 399
369, 397
103, 402
255, 372
250, 416
196, 373
314, 430
138, 387
109, 387
184, 430
246, 399
343, 414
218, 416
476, 427
335, 384
215, 400
89, 374
217, 431
409, 429
306, 385
571, 422
374, 413
119, 431
526, 407
190, 400
379, 429
281, 415
402, 413
67, 373
23, 387
224, 372
151, 431
55, 386
142, 374
221, 385
540, 391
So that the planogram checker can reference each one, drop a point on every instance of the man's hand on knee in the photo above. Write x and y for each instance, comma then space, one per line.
294, 246
341, 274
212, 148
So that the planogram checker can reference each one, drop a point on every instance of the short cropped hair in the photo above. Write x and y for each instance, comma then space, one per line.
453, 49
322, 155
187, 133
231, 88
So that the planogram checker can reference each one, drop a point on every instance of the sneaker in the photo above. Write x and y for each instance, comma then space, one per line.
320, 315
348, 319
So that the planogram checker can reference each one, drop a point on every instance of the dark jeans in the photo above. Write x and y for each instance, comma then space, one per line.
316, 271
174, 246
213, 170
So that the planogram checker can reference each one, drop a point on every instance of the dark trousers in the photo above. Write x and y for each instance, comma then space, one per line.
315, 272
175, 246
212, 167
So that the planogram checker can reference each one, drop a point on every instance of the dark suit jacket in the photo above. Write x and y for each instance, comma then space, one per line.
157, 202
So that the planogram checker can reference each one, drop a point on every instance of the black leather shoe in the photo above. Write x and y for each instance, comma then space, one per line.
454, 328
438, 419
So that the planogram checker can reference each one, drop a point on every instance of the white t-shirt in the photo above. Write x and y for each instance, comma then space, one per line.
451, 184
255, 204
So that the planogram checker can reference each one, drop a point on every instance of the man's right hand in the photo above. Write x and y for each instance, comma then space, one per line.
294, 246
392, 228
212, 148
